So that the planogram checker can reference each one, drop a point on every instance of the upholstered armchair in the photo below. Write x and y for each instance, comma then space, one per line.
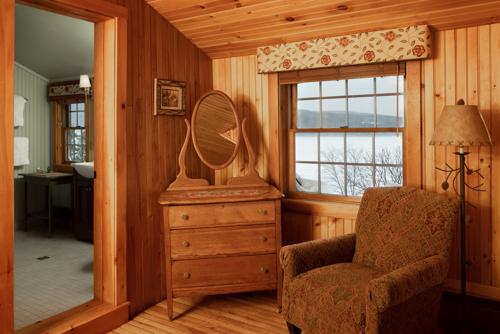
385, 278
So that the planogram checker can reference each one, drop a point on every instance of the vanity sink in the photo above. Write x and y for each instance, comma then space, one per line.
85, 169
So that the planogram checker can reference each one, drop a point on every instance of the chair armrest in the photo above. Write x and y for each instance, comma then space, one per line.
404, 283
299, 258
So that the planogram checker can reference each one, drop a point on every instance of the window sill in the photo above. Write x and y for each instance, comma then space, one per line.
324, 197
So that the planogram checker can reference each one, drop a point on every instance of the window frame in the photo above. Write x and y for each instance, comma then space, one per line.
67, 127
369, 71
61, 113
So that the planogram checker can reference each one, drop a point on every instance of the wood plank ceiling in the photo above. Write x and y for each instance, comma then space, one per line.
224, 28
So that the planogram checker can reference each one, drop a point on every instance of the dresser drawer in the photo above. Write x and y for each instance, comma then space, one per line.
217, 241
221, 214
224, 271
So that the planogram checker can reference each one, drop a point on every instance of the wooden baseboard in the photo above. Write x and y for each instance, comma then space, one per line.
474, 289
92, 317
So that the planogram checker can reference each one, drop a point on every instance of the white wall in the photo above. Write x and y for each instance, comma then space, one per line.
36, 127
36, 118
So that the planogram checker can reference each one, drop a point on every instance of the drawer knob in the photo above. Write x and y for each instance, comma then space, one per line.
185, 243
264, 270
263, 238
185, 216
263, 211
187, 275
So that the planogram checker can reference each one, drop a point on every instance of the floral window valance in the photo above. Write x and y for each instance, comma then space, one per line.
364, 48
68, 89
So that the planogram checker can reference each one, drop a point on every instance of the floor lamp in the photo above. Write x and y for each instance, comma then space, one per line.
461, 125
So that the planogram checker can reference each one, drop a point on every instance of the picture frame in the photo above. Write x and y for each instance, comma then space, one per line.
170, 97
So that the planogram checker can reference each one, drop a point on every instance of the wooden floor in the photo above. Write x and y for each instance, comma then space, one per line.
239, 313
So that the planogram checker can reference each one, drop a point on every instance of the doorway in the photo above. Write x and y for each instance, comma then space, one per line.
53, 250
110, 183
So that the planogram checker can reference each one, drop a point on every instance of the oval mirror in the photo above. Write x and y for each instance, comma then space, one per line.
215, 129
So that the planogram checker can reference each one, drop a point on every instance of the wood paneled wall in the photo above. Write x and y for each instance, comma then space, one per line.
155, 49
238, 78
465, 66
305, 220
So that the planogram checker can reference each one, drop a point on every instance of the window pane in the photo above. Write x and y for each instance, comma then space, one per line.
81, 119
78, 137
359, 147
81, 106
333, 88
308, 115
388, 148
73, 119
306, 177
386, 84
308, 89
334, 113
70, 135
69, 153
306, 146
73, 107
360, 86
401, 103
388, 176
358, 179
401, 84
361, 112
79, 153
332, 179
386, 111
332, 147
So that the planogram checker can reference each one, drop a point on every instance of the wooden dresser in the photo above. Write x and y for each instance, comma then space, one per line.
221, 240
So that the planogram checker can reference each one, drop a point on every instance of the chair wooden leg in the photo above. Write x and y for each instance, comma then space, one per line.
292, 329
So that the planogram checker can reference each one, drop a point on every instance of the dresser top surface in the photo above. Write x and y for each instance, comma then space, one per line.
218, 194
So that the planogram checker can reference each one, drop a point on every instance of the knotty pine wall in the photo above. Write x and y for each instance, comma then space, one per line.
238, 78
465, 66
155, 49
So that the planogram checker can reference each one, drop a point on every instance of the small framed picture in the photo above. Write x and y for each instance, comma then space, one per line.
170, 97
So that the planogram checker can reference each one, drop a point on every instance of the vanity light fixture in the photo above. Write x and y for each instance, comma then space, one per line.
85, 83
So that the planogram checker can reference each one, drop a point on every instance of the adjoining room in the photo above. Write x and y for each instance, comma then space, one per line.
53, 142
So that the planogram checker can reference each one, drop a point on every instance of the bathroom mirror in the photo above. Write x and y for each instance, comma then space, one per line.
215, 129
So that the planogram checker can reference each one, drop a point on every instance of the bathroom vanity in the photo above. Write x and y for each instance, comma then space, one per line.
83, 199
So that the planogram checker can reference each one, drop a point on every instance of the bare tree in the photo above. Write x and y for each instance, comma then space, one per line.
353, 179
390, 174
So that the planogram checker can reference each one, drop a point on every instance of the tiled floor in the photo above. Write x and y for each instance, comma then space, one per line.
47, 287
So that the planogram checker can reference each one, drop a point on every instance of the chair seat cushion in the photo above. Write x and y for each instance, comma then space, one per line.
329, 299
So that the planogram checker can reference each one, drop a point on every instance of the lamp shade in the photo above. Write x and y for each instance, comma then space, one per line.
460, 125
84, 81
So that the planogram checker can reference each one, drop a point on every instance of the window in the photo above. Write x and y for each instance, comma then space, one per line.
71, 132
347, 135
75, 133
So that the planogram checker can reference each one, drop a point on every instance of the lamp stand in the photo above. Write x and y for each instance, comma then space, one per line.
461, 125
463, 280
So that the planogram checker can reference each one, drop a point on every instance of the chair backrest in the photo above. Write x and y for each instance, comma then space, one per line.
397, 226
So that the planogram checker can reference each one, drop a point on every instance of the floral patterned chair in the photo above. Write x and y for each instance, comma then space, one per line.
385, 278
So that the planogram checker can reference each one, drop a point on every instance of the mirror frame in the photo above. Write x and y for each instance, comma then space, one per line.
193, 127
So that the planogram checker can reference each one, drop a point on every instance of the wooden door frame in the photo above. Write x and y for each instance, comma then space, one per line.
110, 75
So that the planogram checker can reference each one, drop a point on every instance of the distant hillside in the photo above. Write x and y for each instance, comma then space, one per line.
307, 119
